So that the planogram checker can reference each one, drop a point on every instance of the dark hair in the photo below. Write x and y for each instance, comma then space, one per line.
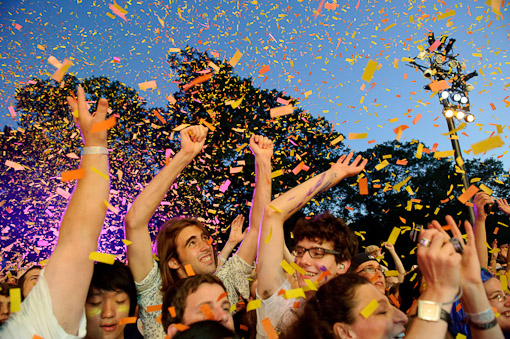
116, 277
22, 279
326, 227
167, 247
208, 329
5, 287
177, 294
333, 303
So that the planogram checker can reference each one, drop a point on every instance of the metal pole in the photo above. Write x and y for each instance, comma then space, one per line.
458, 154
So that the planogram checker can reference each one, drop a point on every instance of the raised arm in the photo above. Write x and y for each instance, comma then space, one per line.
69, 269
503, 206
481, 199
398, 263
262, 149
271, 240
235, 237
139, 253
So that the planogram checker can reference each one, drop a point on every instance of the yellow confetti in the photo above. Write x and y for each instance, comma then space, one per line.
235, 59
487, 144
504, 283
15, 295
390, 26
337, 140
444, 154
127, 242
276, 173
368, 73
253, 305
269, 235
485, 189
357, 136
297, 268
391, 273
392, 239
382, 165
213, 66
102, 257
285, 265
95, 170
419, 151
295, 293
446, 15
310, 285
174, 50
369, 309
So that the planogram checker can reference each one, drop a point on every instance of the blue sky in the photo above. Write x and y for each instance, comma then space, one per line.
320, 53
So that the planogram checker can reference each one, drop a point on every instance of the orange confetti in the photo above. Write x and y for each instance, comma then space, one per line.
470, 192
437, 86
127, 320
181, 327
189, 270
363, 186
395, 301
264, 69
206, 310
154, 308
417, 118
493, 106
171, 310
223, 295
104, 125
268, 327
72, 175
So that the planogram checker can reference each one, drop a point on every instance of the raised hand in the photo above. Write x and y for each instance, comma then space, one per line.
193, 139
503, 205
236, 230
85, 121
262, 147
481, 199
345, 170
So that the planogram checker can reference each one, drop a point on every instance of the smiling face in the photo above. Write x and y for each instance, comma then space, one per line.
384, 323
104, 310
195, 249
315, 266
372, 271
493, 290
210, 297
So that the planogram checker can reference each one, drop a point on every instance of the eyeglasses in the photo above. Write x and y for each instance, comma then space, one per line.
371, 270
501, 296
314, 252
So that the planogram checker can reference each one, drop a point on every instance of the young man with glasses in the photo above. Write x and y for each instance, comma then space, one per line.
324, 248
366, 265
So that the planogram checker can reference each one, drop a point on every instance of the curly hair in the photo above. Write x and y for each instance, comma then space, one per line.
326, 227
333, 303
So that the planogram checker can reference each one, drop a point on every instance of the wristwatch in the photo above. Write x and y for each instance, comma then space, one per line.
432, 311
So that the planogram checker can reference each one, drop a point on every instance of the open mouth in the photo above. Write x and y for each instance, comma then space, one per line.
506, 314
206, 259
310, 274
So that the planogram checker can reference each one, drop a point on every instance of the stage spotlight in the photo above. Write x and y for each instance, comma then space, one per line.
460, 115
456, 97
469, 118
448, 113
464, 100
445, 95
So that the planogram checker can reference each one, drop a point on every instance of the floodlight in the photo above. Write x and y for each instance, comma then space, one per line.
469, 118
464, 100
456, 97
445, 95
460, 115
448, 113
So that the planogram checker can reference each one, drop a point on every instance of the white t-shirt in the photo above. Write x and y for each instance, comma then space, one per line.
280, 311
36, 317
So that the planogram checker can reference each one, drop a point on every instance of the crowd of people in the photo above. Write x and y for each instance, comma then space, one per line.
321, 288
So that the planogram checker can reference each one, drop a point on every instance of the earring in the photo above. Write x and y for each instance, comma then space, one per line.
342, 266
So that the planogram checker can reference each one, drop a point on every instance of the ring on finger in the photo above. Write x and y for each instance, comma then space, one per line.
425, 242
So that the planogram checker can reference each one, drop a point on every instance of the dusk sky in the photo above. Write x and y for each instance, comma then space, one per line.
316, 51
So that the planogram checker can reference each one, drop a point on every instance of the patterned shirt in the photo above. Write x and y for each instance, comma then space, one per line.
234, 275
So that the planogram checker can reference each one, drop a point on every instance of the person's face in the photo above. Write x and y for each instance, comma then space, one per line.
194, 248
493, 290
315, 266
5, 308
385, 322
104, 310
30, 281
373, 272
208, 294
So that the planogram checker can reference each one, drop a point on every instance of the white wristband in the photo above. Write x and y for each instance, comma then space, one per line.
94, 150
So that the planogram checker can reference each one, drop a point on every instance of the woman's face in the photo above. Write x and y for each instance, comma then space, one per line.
385, 322
499, 300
